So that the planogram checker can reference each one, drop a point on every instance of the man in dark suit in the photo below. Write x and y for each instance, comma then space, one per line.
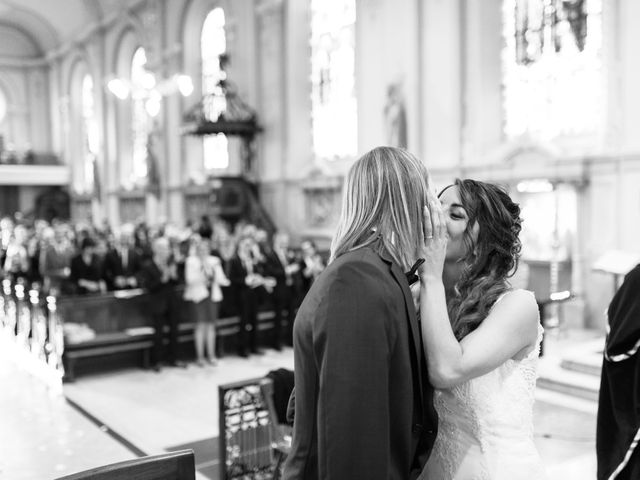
86, 272
283, 266
158, 275
122, 261
246, 279
363, 403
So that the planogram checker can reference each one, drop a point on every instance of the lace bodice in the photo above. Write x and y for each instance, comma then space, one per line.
489, 418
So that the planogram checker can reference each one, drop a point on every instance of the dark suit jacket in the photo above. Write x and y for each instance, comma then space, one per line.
82, 271
114, 265
363, 404
161, 294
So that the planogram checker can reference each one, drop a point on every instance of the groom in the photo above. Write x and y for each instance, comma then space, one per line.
363, 403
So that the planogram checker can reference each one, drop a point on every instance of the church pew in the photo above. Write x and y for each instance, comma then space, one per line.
121, 324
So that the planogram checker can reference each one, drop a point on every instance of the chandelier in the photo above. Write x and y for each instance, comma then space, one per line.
147, 87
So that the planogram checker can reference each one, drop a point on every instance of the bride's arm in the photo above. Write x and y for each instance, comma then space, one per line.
511, 326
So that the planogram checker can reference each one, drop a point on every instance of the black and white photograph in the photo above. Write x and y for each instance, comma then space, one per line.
319, 240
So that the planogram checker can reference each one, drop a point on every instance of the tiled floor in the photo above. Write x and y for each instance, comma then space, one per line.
43, 437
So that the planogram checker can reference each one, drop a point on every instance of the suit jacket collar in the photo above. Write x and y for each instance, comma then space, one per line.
412, 317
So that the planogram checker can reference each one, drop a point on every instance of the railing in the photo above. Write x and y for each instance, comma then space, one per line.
31, 330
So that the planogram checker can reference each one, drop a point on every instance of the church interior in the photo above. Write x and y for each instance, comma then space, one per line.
129, 128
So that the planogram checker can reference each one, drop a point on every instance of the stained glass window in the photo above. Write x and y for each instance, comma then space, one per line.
213, 44
552, 67
90, 133
333, 98
142, 81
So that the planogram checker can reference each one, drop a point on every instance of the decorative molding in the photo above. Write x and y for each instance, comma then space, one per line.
135, 193
268, 6
35, 175
22, 62
322, 199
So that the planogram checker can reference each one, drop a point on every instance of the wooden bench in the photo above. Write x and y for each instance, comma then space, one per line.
106, 344
111, 315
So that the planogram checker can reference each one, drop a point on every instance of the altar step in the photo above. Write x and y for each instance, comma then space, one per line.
590, 364
575, 373
576, 384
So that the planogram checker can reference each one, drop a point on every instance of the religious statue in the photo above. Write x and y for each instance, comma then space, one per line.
395, 118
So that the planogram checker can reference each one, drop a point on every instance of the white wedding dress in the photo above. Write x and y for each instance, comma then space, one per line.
485, 425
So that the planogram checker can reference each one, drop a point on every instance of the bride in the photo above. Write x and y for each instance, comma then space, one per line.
481, 337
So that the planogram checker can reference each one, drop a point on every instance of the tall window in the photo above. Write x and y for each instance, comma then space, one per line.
89, 132
213, 43
333, 99
141, 81
552, 67
3, 106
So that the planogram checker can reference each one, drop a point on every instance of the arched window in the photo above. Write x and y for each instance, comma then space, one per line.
213, 43
552, 67
141, 81
3, 106
89, 133
333, 99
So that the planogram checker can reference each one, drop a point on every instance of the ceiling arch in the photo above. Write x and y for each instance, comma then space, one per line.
51, 23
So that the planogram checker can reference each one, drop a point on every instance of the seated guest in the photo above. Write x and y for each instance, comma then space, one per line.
56, 258
86, 274
158, 274
203, 278
122, 261
311, 264
246, 277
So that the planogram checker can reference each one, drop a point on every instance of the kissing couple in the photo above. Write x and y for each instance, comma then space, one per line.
444, 391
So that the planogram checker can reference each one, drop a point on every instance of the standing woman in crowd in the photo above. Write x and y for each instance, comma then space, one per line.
16, 263
203, 278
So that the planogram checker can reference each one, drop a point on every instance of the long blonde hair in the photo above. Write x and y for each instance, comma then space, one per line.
384, 195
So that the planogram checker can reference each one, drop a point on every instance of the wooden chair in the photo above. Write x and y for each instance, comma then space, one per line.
171, 466
281, 434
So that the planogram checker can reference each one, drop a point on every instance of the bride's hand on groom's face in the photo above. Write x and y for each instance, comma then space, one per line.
435, 232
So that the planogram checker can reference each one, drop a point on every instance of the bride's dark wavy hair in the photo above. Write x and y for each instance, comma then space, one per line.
490, 260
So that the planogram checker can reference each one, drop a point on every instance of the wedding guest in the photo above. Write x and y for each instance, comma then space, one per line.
122, 261
203, 278
158, 274
86, 273
284, 267
205, 229
55, 264
16, 264
311, 264
246, 278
